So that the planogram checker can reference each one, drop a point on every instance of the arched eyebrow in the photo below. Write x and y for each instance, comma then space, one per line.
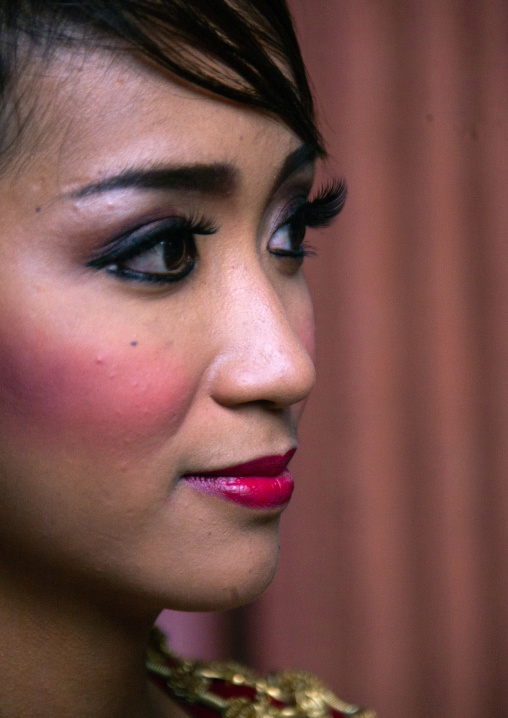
206, 178
211, 179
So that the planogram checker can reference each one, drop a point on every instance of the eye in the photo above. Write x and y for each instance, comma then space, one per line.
288, 239
170, 259
162, 252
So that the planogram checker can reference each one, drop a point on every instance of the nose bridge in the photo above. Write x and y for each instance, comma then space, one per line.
265, 344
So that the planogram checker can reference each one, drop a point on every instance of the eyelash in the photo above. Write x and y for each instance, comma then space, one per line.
145, 238
326, 205
315, 213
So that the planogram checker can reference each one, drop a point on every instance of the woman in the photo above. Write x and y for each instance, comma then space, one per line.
156, 339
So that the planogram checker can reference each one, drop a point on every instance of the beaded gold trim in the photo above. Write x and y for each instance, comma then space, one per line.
303, 695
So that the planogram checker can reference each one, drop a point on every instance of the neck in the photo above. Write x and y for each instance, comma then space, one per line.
61, 655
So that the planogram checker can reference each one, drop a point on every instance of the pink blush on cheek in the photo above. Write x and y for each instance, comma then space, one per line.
107, 400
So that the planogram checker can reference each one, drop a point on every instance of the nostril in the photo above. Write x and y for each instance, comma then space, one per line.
268, 377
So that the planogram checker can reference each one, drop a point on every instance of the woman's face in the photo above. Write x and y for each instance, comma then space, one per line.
151, 328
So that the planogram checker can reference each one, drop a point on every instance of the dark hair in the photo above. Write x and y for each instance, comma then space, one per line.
243, 50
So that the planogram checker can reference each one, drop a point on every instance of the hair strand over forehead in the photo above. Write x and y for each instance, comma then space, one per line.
242, 50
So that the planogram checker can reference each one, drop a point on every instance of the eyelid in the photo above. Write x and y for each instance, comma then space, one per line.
144, 237
321, 209
317, 212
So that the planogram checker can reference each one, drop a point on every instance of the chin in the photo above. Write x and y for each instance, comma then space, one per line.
239, 593
228, 598
229, 580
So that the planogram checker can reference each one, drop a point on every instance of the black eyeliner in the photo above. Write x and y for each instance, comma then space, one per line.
144, 238
314, 213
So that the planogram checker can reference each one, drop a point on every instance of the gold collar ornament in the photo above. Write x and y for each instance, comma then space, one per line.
291, 694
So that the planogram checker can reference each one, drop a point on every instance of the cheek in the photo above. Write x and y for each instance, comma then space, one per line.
302, 319
307, 334
304, 326
61, 395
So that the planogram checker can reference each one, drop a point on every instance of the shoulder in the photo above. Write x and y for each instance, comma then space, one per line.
230, 690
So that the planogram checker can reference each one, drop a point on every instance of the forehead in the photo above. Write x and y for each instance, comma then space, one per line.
96, 113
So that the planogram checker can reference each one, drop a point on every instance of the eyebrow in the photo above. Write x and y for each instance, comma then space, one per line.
213, 178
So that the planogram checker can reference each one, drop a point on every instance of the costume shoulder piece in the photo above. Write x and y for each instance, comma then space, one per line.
229, 690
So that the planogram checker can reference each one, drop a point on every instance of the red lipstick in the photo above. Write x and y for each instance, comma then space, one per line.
264, 483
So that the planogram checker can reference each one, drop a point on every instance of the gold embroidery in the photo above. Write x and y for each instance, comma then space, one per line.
303, 695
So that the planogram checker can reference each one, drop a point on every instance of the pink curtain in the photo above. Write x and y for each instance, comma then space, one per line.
393, 583
393, 580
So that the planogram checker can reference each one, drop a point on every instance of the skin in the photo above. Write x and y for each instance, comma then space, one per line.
110, 391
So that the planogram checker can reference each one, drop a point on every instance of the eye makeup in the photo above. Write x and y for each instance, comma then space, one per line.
326, 205
315, 213
164, 252
173, 237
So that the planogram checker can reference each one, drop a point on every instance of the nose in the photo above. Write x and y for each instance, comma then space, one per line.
266, 340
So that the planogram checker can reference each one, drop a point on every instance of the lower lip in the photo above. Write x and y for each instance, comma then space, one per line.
257, 492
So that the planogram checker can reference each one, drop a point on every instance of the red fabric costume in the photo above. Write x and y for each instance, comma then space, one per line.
229, 690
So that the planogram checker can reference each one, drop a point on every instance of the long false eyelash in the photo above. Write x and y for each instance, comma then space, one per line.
196, 224
326, 205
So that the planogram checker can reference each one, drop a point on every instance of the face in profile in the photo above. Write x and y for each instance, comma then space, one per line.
156, 334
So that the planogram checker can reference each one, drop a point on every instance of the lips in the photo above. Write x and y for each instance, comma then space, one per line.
261, 483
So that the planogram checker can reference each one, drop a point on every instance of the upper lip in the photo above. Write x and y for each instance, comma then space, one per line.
269, 466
